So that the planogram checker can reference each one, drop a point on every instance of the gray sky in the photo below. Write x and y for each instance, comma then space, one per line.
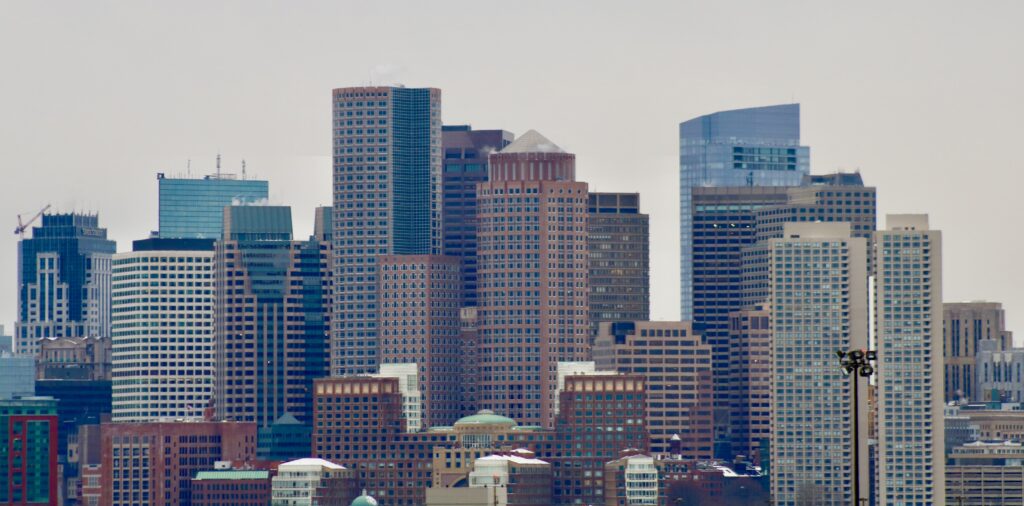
926, 99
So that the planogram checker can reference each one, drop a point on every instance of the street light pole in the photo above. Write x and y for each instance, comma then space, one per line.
856, 364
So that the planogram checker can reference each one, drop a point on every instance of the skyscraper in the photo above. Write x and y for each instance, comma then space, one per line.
193, 208
466, 152
818, 306
965, 325
387, 201
270, 326
618, 243
743, 147
162, 337
63, 281
532, 271
908, 319
419, 297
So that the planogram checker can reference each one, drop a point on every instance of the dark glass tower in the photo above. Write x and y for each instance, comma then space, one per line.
466, 153
63, 281
194, 208
618, 244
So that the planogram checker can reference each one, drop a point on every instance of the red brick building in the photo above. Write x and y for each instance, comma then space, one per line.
154, 463
418, 301
234, 487
532, 274
750, 342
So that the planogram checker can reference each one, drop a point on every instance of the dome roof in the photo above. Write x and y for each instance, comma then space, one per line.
485, 417
364, 500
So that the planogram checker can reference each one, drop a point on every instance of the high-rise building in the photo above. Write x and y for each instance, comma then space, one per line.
6, 341
63, 281
80, 403
469, 358
818, 278
618, 242
162, 336
387, 201
154, 462
28, 443
907, 334
744, 147
676, 364
466, 153
965, 325
997, 379
532, 272
418, 301
270, 321
750, 376
193, 208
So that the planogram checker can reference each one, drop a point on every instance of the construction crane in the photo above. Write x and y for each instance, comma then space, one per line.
22, 227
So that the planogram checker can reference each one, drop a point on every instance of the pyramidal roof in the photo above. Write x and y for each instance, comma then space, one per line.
532, 142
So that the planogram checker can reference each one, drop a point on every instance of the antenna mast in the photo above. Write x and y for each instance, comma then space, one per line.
218, 165
243, 169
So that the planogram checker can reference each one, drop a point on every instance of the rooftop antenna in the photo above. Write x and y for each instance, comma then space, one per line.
188, 167
243, 169
218, 165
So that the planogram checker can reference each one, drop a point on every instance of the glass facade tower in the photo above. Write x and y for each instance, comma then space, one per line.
744, 147
194, 208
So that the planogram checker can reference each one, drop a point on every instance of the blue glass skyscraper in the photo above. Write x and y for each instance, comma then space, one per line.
194, 208
744, 147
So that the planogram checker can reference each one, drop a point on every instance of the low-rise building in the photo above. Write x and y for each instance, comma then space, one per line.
633, 479
229, 486
313, 482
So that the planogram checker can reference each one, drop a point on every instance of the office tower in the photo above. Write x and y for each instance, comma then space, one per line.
676, 364
285, 439
17, 376
469, 359
750, 339
997, 378
409, 387
63, 281
162, 336
79, 358
28, 439
313, 482
532, 272
965, 326
618, 242
744, 147
387, 201
80, 403
270, 327
466, 153
193, 208
132, 451
418, 301
818, 305
907, 334
323, 224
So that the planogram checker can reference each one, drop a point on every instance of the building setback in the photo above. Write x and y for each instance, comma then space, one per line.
466, 153
745, 147
135, 467
965, 325
270, 323
387, 201
28, 439
418, 303
63, 281
676, 365
908, 319
162, 336
193, 208
618, 244
818, 278
532, 271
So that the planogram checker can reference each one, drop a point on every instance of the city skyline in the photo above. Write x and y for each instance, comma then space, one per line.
121, 133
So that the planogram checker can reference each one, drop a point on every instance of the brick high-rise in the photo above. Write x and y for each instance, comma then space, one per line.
620, 251
419, 297
387, 201
532, 272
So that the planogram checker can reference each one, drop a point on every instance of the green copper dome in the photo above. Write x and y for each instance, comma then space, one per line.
364, 500
486, 417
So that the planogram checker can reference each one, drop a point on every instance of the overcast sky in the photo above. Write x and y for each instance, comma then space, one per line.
926, 99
